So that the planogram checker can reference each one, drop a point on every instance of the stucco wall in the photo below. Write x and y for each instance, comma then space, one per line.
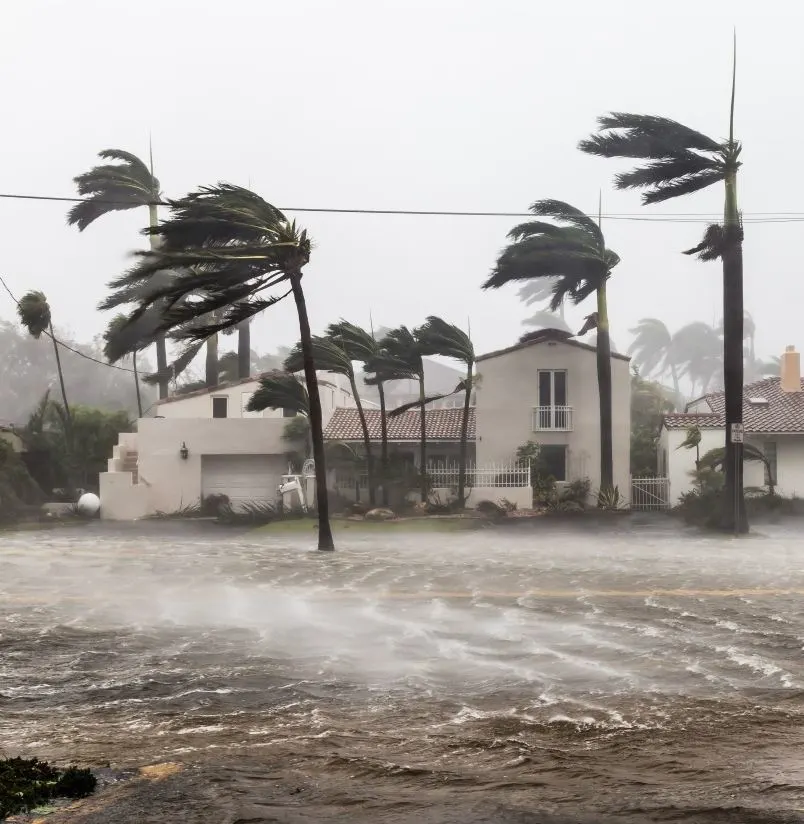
170, 481
681, 462
508, 391
333, 390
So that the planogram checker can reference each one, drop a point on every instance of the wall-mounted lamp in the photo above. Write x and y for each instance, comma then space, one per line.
184, 451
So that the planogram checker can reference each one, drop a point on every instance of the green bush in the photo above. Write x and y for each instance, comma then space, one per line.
577, 492
29, 783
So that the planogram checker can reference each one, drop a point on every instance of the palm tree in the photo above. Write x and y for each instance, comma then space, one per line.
113, 187
331, 357
363, 347
683, 161
437, 337
34, 314
401, 359
115, 325
280, 390
699, 352
227, 246
654, 350
572, 250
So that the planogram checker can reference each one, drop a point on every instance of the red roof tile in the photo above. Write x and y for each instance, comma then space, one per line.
783, 412
440, 425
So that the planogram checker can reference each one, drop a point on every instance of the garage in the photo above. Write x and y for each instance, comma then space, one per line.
243, 478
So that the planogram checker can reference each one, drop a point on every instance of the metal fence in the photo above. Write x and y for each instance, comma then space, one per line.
650, 493
446, 476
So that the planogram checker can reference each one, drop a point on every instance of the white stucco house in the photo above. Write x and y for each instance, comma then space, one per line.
544, 389
201, 444
773, 422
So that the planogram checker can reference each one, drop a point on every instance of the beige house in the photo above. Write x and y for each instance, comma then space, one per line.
544, 389
773, 422
204, 443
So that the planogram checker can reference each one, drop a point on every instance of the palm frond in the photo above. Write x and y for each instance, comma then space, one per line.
280, 390
401, 354
327, 355
564, 213
34, 312
622, 134
406, 407
538, 290
590, 323
545, 319
187, 355
715, 241
437, 337
127, 184
659, 172
359, 344
682, 186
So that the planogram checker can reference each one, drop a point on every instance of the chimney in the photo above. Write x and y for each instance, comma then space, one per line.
790, 370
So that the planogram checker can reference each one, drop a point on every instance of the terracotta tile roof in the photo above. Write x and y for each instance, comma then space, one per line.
440, 425
543, 336
783, 412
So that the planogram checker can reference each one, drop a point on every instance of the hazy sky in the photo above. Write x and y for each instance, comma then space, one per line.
412, 104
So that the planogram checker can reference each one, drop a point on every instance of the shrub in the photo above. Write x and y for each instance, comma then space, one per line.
28, 783
491, 509
212, 505
577, 492
544, 489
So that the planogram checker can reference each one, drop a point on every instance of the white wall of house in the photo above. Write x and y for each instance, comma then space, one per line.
680, 463
167, 482
333, 390
508, 392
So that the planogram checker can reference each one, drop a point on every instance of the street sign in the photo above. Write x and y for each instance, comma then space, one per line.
736, 433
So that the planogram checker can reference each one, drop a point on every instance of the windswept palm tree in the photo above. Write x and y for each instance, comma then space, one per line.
114, 327
331, 357
280, 390
682, 161
401, 359
699, 353
227, 246
437, 337
34, 314
539, 292
126, 183
362, 346
573, 252
654, 350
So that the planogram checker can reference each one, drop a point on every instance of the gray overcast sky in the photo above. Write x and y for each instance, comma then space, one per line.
420, 104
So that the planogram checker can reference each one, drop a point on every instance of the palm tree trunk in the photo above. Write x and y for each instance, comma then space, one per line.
462, 455
325, 541
384, 444
137, 384
674, 376
161, 347
366, 441
604, 392
423, 450
734, 518
211, 365
244, 349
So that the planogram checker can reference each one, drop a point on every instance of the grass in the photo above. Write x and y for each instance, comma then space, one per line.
302, 526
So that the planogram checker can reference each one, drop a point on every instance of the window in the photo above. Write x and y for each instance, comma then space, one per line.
553, 412
220, 407
553, 460
770, 466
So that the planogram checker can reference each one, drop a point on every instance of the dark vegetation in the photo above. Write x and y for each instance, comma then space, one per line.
29, 783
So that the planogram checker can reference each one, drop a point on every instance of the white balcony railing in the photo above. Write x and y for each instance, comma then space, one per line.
552, 419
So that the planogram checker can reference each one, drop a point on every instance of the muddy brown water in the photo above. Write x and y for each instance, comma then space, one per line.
609, 674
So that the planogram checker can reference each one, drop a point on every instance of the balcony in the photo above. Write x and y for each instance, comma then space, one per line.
552, 419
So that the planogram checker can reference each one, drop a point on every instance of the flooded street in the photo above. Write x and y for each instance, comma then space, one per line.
516, 675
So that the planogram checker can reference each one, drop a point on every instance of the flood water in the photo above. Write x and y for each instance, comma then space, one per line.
524, 675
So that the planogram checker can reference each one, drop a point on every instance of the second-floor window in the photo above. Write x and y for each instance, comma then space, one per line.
553, 411
220, 407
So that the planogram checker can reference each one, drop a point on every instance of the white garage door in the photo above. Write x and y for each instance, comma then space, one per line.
243, 478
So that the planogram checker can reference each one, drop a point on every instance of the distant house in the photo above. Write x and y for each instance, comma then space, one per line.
204, 443
773, 422
10, 436
544, 389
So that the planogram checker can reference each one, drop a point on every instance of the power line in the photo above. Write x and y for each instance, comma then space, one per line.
670, 217
64, 345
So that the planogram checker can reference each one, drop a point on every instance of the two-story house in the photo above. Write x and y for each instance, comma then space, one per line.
205, 443
544, 389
